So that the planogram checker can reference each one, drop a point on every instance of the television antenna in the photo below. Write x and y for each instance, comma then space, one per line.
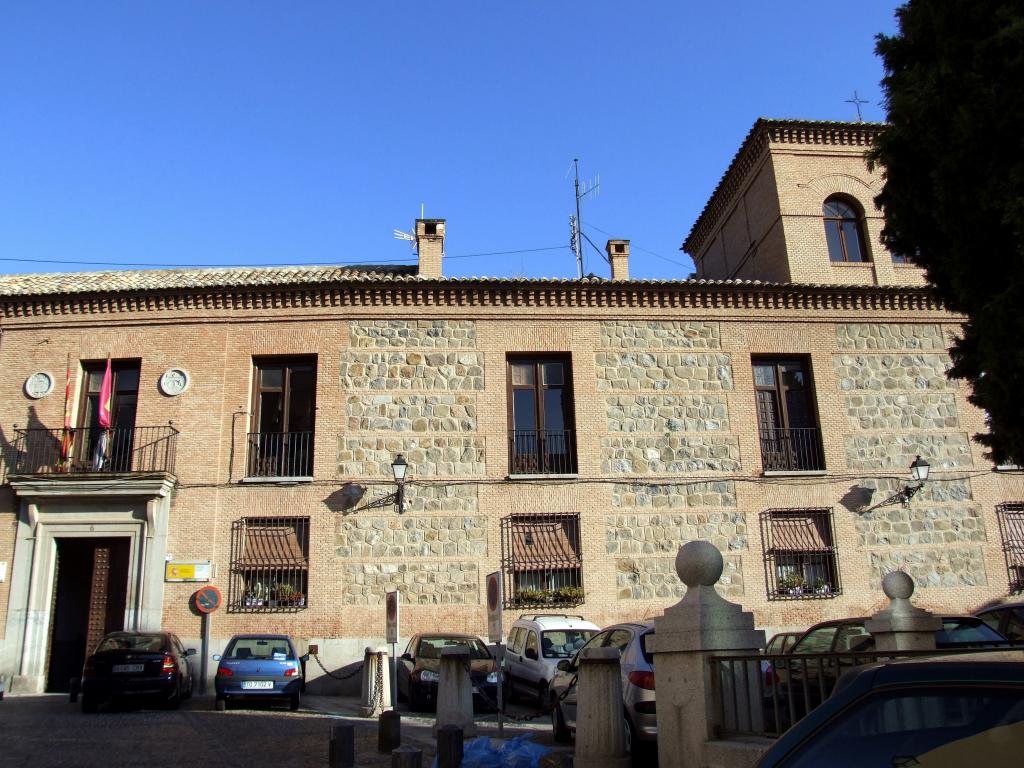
400, 235
575, 222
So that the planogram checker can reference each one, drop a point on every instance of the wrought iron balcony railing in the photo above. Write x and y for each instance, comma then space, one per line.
792, 450
120, 450
280, 454
542, 452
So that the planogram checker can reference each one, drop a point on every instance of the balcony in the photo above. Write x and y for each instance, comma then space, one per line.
542, 452
122, 450
280, 455
792, 450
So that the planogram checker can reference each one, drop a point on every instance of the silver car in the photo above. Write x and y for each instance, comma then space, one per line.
637, 664
537, 642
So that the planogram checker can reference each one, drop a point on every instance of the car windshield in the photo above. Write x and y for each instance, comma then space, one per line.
131, 643
964, 630
275, 648
431, 647
563, 643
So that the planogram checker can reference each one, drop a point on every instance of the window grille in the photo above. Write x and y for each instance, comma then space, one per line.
1011, 528
269, 565
799, 554
540, 560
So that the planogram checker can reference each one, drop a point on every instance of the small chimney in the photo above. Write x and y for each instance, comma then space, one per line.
618, 255
430, 246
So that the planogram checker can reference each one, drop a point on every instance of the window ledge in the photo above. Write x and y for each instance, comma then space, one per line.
1007, 468
573, 476
795, 473
278, 480
851, 264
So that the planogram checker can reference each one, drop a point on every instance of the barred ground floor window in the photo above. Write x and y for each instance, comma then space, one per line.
1011, 528
540, 560
799, 554
269, 565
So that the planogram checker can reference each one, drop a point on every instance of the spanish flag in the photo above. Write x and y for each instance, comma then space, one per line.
106, 396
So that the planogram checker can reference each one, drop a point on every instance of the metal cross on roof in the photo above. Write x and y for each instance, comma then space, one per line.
857, 101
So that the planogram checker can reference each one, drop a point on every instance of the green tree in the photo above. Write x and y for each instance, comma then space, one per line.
953, 162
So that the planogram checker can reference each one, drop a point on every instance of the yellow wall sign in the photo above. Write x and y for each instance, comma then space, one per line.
187, 570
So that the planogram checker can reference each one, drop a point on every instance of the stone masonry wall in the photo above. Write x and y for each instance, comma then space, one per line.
896, 451
903, 411
671, 371
890, 336
372, 456
667, 413
411, 413
376, 537
655, 577
946, 567
405, 370
427, 334
637, 534
418, 583
654, 334
669, 453
673, 495
880, 372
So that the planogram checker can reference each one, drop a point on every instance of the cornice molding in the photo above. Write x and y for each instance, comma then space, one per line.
57, 486
469, 294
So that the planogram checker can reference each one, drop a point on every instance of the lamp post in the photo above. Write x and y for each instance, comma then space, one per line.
919, 473
399, 467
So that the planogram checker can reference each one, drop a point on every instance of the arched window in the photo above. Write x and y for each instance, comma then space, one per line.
843, 231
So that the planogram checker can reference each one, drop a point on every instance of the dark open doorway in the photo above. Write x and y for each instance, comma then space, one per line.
88, 601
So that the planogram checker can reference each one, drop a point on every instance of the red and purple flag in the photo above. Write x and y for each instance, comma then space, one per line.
106, 393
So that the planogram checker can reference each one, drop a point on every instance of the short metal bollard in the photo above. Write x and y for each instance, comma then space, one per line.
389, 731
343, 746
407, 757
449, 746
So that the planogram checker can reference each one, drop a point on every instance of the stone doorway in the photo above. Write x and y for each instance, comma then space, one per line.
89, 598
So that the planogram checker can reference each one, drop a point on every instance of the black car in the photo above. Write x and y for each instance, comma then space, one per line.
957, 710
150, 664
419, 670
1005, 618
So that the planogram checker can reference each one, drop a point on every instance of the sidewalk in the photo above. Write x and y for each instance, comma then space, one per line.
416, 730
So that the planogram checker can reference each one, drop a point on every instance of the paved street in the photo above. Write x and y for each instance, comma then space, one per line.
41, 731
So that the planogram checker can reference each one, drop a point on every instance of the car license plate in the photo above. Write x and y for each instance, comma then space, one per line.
119, 668
257, 685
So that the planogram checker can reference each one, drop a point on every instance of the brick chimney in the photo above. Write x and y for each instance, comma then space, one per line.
430, 246
618, 255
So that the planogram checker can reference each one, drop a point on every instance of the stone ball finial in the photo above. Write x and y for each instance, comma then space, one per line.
699, 563
898, 585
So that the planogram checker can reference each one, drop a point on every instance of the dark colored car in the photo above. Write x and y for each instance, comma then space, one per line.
957, 710
259, 667
794, 687
150, 664
419, 670
781, 642
1007, 619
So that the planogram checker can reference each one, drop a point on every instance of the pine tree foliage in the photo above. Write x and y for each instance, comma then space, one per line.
953, 199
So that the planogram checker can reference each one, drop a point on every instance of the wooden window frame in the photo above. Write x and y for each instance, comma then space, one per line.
857, 219
543, 463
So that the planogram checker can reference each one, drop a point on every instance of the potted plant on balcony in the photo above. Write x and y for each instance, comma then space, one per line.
822, 587
283, 593
255, 595
793, 584
296, 598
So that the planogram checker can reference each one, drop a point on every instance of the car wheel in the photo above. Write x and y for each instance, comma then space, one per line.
89, 704
559, 730
221, 704
542, 692
509, 692
174, 702
191, 685
295, 702
416, 703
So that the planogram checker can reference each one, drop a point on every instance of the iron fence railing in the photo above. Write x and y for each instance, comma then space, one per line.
542, 452
764, 695
87, 450
792, 450
280, 454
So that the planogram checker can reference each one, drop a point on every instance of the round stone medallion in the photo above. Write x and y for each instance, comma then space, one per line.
39, 384
174, 381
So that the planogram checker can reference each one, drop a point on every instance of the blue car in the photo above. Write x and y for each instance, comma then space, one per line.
259, 667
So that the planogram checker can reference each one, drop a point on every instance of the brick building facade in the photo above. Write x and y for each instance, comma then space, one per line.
569, 433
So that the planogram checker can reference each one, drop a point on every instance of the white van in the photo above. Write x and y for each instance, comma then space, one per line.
536, 643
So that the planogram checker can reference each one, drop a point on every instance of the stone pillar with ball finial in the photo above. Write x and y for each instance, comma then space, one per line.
700, 625
902, 626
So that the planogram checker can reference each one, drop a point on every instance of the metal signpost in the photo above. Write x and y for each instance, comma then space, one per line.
207, 600
391, 606
494, 636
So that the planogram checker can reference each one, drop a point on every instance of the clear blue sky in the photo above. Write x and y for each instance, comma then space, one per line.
201, 132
